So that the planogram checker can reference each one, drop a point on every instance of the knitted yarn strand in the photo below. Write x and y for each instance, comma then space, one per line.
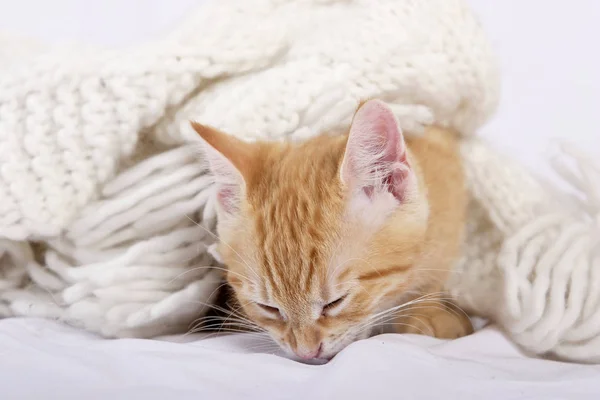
537, 272
553, 296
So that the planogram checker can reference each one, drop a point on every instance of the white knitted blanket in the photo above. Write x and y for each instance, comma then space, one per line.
106, 213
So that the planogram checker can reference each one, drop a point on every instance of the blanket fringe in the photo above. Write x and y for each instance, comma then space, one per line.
552, 270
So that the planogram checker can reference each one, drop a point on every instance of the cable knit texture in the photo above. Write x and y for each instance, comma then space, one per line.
106, 214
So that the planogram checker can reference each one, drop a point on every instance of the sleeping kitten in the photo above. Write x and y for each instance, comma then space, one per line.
328, 239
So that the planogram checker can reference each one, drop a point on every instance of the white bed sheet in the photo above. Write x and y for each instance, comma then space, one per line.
46, 360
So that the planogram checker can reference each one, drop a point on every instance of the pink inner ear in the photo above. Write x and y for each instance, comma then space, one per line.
226, 196
396, 182
376, 149
227, 177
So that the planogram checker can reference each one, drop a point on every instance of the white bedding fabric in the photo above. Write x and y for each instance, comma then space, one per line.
41, 359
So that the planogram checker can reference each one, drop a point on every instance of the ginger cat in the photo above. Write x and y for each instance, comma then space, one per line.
328, 239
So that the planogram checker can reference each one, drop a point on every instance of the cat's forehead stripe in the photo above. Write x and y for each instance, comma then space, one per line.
263, 255
382, 273
296, 205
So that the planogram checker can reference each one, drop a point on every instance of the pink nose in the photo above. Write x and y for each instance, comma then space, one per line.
309, 354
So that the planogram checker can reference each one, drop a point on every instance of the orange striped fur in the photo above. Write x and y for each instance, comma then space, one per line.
317, 262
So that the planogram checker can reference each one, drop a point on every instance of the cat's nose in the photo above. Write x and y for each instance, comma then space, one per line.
308, 354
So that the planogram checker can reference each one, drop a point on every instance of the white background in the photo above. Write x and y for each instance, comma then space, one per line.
548, 51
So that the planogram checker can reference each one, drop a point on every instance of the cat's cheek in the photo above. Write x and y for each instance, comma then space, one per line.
273, 327
277, 337
330, 350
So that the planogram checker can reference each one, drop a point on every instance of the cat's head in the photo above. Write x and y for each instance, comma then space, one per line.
318, 237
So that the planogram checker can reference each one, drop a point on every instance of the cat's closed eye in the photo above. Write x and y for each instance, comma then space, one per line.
333, 304
273, 311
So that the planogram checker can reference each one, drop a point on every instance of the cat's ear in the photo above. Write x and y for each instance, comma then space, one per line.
375, 161
229, 160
